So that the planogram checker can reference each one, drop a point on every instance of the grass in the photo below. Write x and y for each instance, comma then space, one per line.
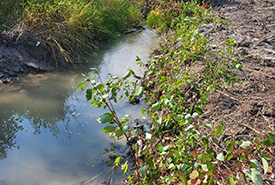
71, 26
10, 11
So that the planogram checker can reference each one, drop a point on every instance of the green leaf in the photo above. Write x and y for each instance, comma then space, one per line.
96, 102
124, 167
198, 110
117, 160
220, 157
204, 139
109, 129
136, 76
230, 181
206, 96
246, 144
126, 75
265, 165
81, 84
254, 161
239, 66
156, 106
105, 118
220, 129
99, 86
231, 147
94, 71
183, 168
159, 122
248, 173
208, 126
244, 178
211, 181
214, 133
189, 128
183, 180
119, 133
229, 157
137, 58
85, 77
271, 137
89, 94
149, 161
143, 171
195, 115
188, 119
148, 136
243, 157
267, 142
204, 167
125, 128
256, 176
140, 92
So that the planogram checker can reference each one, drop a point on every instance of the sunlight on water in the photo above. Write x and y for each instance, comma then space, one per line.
48, 132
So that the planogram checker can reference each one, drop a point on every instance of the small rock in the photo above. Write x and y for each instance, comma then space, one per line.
6, 81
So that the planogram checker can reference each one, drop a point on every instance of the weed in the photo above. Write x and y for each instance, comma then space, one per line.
10, 13
73, 27
177, 85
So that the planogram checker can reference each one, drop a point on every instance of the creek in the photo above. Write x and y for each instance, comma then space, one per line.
48, 131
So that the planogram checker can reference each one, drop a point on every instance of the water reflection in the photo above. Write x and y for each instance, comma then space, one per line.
60, 141
37, 101
8, 130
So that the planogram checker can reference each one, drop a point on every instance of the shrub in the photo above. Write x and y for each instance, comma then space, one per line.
176, 87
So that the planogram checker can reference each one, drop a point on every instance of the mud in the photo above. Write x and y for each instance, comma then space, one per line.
248, 108
22, 53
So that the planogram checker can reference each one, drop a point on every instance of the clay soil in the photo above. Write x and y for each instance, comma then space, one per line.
22, 53
248, 109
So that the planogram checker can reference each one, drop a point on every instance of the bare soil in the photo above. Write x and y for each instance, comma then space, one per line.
248, 109
23, 53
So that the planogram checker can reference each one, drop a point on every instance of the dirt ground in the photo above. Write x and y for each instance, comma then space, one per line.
22, 53
248, 108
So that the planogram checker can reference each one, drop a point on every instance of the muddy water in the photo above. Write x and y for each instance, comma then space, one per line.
48, 132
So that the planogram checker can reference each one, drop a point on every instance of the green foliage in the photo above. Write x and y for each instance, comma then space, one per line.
10, 13
178, 150
71, 26
77, 26
164, 14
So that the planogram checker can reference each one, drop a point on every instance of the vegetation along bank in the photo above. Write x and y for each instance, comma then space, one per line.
210, 96
209, 88
41, 35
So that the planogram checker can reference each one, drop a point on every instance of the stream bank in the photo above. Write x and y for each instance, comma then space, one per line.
22, 53
49, 133
42, 35
247, 107
222, 120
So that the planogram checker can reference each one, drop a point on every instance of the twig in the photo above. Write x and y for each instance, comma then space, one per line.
91, 179
226, 95
252, 128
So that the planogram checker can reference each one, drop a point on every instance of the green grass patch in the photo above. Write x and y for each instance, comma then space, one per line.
10, 13
72, 26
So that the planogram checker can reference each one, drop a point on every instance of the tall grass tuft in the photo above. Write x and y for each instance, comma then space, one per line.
74, 26
10, 13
